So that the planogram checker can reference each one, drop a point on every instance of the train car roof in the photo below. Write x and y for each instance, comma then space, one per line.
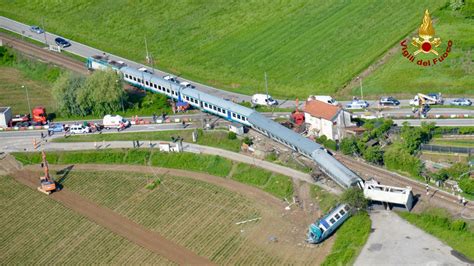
342, 174
237, 108
302, 143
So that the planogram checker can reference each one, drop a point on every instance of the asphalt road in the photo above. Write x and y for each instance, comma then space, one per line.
86, 51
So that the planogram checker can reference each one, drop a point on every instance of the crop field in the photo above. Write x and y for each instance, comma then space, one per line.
306, 47
37, 230
197, 215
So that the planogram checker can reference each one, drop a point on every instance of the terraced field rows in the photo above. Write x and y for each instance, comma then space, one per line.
37, 230
194, 214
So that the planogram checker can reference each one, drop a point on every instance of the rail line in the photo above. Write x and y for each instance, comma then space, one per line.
44, 54
436, 196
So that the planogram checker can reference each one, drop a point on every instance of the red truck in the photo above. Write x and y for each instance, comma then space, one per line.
39, 118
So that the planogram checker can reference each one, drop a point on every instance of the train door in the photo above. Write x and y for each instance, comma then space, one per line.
228, 115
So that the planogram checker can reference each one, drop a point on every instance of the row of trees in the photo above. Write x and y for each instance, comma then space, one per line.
98, 94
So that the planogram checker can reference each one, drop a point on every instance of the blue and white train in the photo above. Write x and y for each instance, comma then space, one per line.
235, 113
325, 226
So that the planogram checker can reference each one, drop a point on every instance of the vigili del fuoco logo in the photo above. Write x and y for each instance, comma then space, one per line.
426, 43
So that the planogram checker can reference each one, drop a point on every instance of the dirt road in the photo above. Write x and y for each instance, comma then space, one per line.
116, 223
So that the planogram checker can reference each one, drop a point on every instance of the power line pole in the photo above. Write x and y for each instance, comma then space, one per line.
266, 83
27, 98
44, 33
147, 55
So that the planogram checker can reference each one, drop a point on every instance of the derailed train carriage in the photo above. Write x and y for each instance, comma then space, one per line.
339, 173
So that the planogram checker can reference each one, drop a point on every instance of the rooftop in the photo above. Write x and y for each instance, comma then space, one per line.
321, 109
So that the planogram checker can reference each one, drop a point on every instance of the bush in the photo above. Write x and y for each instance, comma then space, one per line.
398, 158
373, 155
348, 146
458, 225
247, 141
231, 135
355, 198
330, 144
467, 185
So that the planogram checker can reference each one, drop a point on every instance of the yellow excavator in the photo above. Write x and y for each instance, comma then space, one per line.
47, 184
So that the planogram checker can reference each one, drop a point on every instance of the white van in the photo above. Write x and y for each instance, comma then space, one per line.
263, 99
323, 98
115, 121
79, 129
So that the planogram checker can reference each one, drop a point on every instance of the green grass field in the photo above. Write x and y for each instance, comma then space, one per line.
326, 200
208, 138
275, 184
437, 222
13, 95
465, 143
305, 47
453, 76
37, 230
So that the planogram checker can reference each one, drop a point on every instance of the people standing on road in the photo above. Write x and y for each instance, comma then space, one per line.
427, 189
184, 123
154, 118
459, 199
464, 201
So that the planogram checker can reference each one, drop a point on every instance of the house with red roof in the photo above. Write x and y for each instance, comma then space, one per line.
326, 119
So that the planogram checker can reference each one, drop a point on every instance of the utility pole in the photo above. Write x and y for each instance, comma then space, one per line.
147, 55
27, 98
44, 33
361, 91
266, 84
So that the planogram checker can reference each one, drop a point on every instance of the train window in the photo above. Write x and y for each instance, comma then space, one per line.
322, 229
219, 109
146, 82
337, 216
347, 208
332, 221
126, 75
342, 212
134, 78
168, 90
224, 112
238, 116
156, 86
205, 104
233, 115
213, 107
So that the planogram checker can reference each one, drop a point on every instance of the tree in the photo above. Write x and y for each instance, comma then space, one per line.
348, 146
101, 94
65, 91
373, 154
355, 198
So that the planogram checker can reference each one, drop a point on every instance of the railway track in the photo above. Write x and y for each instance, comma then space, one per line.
44, 54
436, 197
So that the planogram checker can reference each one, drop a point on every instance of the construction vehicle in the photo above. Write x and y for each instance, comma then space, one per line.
423, 102
430, 99
47, 184
297, 117
39, 118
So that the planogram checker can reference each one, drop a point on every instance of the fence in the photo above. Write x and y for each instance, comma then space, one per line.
446, 149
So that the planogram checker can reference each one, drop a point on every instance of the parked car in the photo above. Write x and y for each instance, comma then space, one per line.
79, 129
36, 29
461, 102
389, 101
171, 78
62, 42
357, 104
115, 121
263, 99
56, 127
187, 84
323, 98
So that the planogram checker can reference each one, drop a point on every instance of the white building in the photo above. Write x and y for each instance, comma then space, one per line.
326, 119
